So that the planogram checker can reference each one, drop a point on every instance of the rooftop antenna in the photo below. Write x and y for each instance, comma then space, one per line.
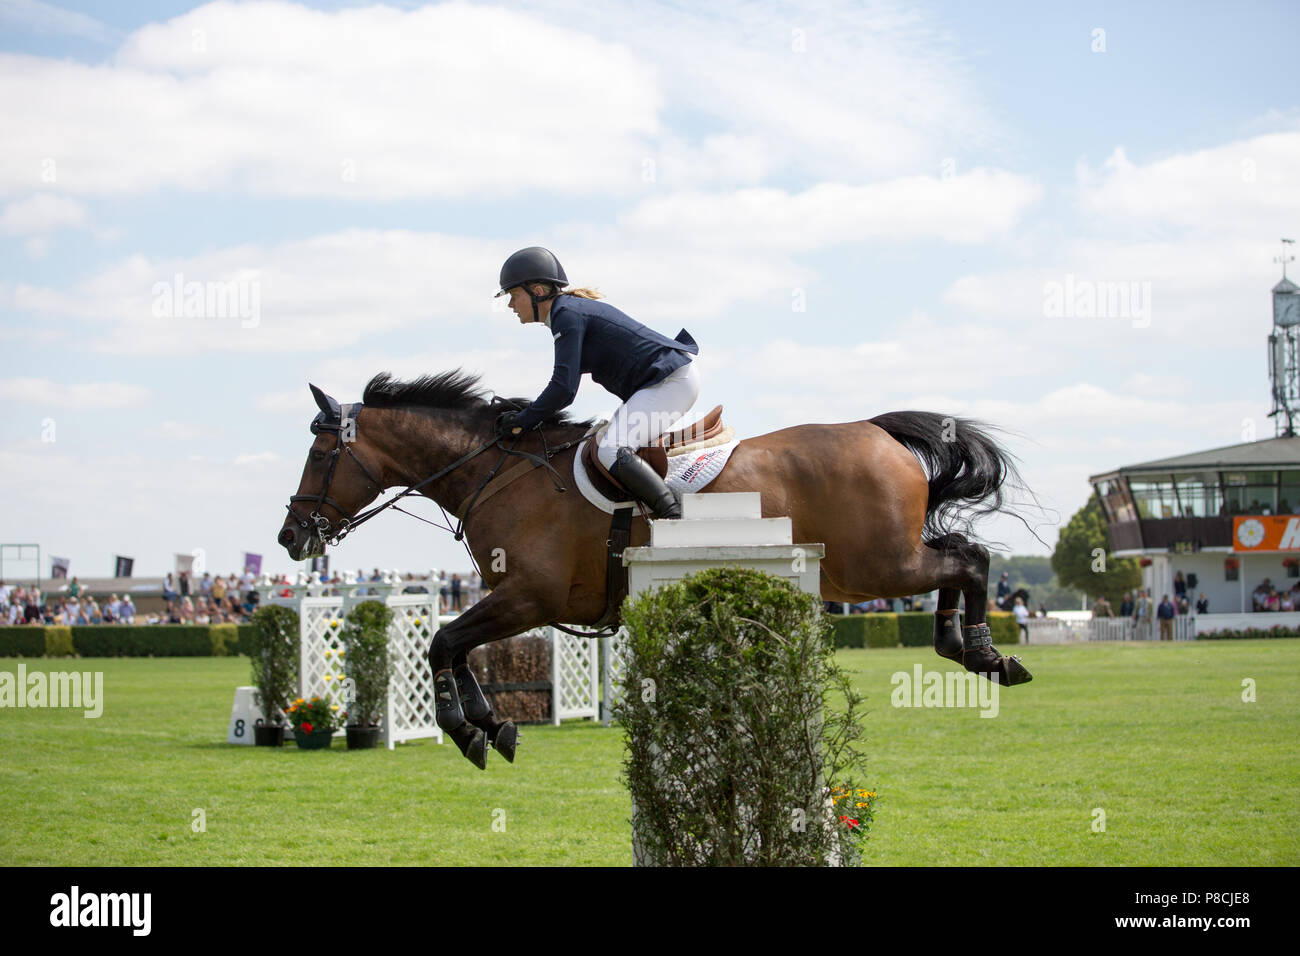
1284, 258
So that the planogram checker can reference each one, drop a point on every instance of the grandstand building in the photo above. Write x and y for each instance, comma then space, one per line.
1230, 516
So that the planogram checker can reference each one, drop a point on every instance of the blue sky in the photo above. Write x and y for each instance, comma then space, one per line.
918, 173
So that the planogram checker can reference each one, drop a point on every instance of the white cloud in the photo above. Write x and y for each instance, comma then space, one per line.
371, 103
973, 207
1243, 188
458, 100
41, 214
48, 20
92, 395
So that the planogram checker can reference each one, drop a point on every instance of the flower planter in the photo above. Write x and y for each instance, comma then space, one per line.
362, 738
268, 735
316, 740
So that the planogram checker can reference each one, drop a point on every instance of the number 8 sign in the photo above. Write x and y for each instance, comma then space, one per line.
244, 715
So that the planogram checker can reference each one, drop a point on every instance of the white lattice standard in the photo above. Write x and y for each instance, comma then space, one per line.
574, 677
409, 714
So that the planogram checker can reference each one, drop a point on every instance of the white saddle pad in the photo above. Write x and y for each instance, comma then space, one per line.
688, 472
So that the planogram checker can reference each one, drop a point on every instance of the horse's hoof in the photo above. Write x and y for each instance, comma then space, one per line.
477, 750
1014, 672
507, 740
472, 743
1007, 671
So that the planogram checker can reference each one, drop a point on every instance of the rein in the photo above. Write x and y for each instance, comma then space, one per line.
348, 525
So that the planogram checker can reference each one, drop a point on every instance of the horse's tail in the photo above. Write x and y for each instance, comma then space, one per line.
965, 466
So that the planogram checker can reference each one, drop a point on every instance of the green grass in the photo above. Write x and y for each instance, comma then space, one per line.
1156, 736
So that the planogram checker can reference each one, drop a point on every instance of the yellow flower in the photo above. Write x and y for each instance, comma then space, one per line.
328, 678
336, 707
334, 623
339, 653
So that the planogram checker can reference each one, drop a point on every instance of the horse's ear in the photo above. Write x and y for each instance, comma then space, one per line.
324, 402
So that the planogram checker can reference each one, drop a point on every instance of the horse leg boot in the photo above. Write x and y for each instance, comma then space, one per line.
501, 734
947, 635
630, 471
979, 655
451, 718
947, 625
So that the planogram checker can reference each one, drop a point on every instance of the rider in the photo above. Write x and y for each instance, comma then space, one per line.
654, 375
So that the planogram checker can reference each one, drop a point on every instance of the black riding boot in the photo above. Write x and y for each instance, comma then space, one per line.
639, 478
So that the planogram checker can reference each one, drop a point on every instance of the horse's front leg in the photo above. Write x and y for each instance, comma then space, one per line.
462, 710
501, 734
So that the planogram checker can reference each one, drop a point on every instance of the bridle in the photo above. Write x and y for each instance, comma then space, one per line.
316, 521
349, 415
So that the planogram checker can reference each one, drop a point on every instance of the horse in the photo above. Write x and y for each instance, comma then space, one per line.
859, 488
1008, 602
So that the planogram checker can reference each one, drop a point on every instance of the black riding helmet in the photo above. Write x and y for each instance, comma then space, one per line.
533, 264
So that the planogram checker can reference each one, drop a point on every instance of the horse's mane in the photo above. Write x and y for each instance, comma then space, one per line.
453, 391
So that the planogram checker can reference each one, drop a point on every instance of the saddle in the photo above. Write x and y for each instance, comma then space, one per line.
656, 454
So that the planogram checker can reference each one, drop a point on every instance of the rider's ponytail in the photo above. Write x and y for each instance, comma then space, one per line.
583, 293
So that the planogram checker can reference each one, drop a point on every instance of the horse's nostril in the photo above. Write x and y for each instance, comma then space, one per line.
286, 537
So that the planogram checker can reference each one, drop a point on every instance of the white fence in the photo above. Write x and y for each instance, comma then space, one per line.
1125, 629
410, 714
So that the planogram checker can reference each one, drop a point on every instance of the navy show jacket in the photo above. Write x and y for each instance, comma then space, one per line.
620, 353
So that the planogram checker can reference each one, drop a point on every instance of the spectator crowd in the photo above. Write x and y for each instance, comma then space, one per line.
212, 599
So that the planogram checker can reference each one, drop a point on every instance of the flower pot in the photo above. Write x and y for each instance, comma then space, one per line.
316, 740
362, 738
268, 735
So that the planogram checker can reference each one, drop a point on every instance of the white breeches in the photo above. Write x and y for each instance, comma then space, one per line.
650, 413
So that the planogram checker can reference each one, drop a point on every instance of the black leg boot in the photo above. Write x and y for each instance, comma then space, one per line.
501, 734
640, 479
451, 718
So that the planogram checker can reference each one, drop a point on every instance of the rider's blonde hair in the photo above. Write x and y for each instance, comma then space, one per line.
582, 292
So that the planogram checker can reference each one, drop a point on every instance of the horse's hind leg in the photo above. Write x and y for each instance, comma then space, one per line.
968, 563
501, 734
947, 628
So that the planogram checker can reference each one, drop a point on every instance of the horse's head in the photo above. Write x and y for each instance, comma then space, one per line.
337, 482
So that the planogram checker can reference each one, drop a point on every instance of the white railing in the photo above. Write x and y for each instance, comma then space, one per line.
1126, 629
575, 671
1051, 630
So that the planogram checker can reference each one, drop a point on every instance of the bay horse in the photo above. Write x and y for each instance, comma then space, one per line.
859, 488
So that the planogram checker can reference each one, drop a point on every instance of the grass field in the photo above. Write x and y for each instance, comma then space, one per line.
1156, 736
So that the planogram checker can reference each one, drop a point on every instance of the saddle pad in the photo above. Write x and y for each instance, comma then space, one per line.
686, 473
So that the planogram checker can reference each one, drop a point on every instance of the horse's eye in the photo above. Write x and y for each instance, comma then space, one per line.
318, 456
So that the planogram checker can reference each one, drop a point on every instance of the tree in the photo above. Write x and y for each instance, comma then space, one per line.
1082, 559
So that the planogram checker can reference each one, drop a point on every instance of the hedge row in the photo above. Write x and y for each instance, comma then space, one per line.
125, 640
909, 629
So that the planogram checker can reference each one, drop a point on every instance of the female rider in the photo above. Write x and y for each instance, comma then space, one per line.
655, 376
